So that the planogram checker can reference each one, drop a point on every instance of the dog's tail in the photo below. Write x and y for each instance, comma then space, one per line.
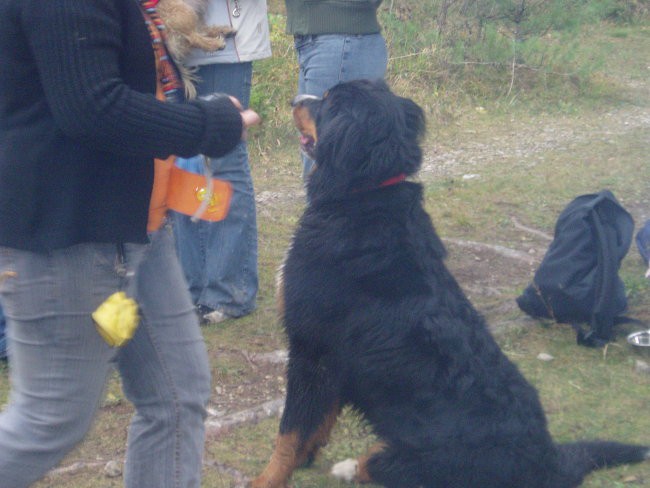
583, 457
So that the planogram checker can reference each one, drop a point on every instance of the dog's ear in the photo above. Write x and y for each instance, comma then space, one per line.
340, 140
343, 143
414, 117
399, 150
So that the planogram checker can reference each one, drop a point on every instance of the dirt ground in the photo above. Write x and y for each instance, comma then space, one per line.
486, 271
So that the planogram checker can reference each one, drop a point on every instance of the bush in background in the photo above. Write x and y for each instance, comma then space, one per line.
447, 54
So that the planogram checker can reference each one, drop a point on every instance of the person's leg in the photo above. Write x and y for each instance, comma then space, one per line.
58, 361
3, 335
190, 247
364, 57
329, 59
228, 249
165, 374
319, 62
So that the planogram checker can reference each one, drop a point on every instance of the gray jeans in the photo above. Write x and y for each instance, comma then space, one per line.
59, 363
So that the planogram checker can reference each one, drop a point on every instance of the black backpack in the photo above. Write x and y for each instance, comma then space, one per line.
577, 281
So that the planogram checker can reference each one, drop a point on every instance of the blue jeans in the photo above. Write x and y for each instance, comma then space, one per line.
220, 258
59, 363
328, 59
3, 338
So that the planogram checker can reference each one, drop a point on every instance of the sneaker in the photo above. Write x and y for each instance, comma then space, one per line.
201, 310
214, 317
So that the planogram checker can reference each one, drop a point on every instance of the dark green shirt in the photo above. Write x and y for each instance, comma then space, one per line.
310, 17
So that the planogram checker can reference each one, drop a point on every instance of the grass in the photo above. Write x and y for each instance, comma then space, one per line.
534, 149
584, 393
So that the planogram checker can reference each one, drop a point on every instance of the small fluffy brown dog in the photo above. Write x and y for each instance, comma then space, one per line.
186, 29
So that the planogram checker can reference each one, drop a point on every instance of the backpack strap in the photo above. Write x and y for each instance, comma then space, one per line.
589, 339
612, 241
602, 319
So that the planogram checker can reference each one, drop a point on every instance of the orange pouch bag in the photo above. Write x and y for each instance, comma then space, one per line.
188, 191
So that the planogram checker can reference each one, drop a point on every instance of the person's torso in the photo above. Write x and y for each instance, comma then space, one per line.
252, 40
307, 17
56, 190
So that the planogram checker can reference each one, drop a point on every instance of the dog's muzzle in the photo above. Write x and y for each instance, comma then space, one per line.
303, 117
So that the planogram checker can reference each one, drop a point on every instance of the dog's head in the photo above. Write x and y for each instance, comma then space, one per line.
360, 135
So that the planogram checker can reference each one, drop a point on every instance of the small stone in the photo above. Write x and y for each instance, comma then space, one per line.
113, 469
641, 367
542, 356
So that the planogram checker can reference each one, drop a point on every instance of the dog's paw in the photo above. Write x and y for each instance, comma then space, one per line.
346, 470
220, 31
207, 43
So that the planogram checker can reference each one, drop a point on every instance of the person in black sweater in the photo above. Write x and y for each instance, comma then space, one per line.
83, 116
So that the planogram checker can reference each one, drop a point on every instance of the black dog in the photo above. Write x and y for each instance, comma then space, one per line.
375, 320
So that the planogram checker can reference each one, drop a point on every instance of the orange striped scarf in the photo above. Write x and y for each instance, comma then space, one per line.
169, 88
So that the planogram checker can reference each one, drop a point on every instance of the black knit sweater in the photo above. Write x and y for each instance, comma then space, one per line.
80, 125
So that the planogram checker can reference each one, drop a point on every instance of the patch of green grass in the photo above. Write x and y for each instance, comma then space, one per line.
585, 392
535, 184
4, 382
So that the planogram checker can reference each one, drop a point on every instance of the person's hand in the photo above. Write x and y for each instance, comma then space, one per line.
249, 117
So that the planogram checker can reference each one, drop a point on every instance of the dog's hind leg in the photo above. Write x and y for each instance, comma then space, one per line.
311, 409
381, 465
209, 44
356, 470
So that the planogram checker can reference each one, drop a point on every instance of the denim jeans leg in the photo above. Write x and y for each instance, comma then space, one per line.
58, 361
3, 336
328, 59
231, 245
165, 374
220, 258
190, 248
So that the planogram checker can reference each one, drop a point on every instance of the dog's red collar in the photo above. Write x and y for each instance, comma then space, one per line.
393, 181
389, 182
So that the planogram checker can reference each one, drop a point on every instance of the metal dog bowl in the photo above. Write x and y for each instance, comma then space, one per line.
640, 342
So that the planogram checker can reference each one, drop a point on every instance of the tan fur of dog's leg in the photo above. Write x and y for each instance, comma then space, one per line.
219, 31
282, 463
290, 453
178, 17
320, 438
363, 476
186, 29
210, 44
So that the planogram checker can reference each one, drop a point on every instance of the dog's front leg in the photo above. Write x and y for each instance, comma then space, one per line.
292, 452
310, 413
282, 463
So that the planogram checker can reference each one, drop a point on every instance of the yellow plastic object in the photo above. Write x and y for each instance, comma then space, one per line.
116, 319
